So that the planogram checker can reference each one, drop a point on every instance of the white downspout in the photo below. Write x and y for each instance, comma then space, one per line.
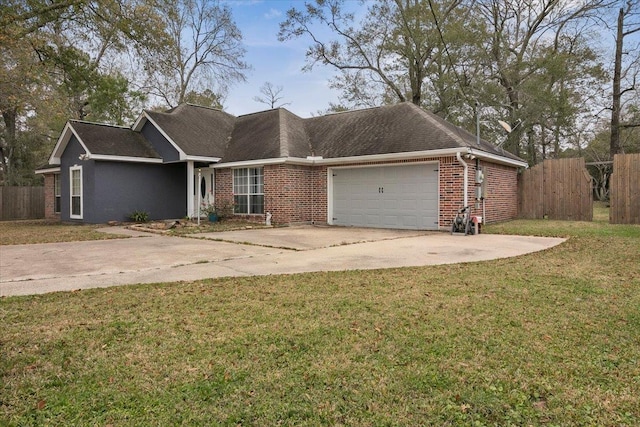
465, 179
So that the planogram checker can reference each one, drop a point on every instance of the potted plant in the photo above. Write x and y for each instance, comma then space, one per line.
210, 211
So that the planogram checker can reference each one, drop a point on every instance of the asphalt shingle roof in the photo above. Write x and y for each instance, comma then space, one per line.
398, 128
395, 128
278, 133
198, 131
267, 135
113, 140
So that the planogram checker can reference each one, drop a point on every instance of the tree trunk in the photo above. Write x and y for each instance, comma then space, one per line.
614, 145
9, 116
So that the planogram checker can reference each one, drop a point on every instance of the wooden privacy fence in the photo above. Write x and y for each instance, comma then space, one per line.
21, 203
624, 186
556, 189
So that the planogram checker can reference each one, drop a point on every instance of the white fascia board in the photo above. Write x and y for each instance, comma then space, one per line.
61, 145
48, 170
124, 158
392, 156
263, 162
499, 159
182, 154
249, 163
202, 159
340, 160
139, 123
445, 152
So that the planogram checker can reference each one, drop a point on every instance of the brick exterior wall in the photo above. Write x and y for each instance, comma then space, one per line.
49, 197
297, 194
501, 201
451, 190
501, 192
223, 187
294, 194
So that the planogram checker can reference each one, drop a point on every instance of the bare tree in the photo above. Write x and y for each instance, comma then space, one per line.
628, 23
271, 95
203, 49
527, 40
387, 56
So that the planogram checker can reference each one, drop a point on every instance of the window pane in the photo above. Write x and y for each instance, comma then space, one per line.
240, 181
75, 205
248, 190
56, 193
254, 185
240, 204
257, 204
76, 192
75, 182
56, 184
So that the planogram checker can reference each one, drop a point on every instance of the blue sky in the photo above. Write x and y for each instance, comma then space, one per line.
277, 62
281, 62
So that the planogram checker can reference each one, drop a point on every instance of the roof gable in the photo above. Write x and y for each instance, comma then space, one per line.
100, 141
63, 141
113, 141
270, 134
196, 132
204, 134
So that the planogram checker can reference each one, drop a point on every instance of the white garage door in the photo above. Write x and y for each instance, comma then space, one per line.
403, 196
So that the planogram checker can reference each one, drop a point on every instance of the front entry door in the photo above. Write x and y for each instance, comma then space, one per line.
204, 187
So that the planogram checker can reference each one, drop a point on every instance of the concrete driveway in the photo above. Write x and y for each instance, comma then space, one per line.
150, 258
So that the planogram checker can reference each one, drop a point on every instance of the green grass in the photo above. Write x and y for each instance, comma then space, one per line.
42, 231
551, 338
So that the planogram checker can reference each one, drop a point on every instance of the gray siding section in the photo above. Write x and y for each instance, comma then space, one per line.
159, 190
113, 190
160, 143
70, 158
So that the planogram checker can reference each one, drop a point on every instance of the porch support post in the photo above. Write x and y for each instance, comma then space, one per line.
190, 188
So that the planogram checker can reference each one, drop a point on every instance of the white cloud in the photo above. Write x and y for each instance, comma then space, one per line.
273, 13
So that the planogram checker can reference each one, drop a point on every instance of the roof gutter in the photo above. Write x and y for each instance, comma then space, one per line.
465, 179
319, 160
47, 170
498, 159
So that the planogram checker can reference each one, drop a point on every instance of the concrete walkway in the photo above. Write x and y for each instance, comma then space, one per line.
150, 258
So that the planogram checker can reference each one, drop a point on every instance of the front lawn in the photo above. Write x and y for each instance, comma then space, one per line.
551, 338
43, 231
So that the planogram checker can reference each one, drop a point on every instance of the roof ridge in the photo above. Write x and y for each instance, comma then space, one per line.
86, 122
335, 113
268, 111
432, 118
260, 112
206, 108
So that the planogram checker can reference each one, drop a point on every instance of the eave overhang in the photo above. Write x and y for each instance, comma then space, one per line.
47, 170
374, 158
62, 142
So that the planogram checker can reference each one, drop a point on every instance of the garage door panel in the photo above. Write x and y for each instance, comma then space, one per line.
387, 197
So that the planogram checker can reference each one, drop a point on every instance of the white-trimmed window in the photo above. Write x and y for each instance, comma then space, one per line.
57, 195
248, 190
75, 183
